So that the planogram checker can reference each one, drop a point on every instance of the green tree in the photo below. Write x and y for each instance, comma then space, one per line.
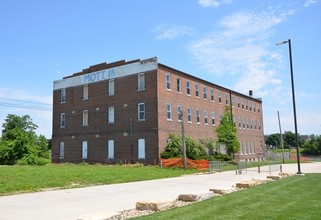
313, 146
273, 140
227, 133
290, 139
20, 140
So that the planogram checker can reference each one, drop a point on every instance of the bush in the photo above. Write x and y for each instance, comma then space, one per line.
219, 157
33, 160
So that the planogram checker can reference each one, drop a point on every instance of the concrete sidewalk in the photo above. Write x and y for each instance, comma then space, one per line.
106, 200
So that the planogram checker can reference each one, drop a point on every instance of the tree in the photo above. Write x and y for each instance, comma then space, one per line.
290, 139
313, 146
20, 140
273, 140
227, 133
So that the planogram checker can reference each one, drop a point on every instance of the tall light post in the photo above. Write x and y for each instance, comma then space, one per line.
294, 108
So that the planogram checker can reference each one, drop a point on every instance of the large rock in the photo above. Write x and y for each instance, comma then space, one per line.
189, 197
249, 183
155, 206
223, 191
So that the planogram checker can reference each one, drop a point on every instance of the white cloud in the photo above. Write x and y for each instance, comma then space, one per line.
168, 32
239, 47
309, 2
213, 3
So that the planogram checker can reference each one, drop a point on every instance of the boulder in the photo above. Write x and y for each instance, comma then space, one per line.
248, 184
155, 206
189, 197
223, 191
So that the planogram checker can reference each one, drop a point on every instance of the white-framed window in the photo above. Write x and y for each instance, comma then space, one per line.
258, 108
239, 120
247, 104
141, 82
111, 115
111, 87
249, 147
61, 150
85, 92
197, 90
198, 116
84, 146
189, 115
245, 147
221, 118
241, 147
63, 96
85, 118
168, 81
213, 118
141, 148
242, 103
238, 102
212, 94
254, 107
179, 85
205, 117
219, 96
141, 112
226, 99
253, 147
250, 105
232, 100
255, 126
247, 124
204, 92
111, 149
62, 120
179, 113
188, 87
169, 111
259, 126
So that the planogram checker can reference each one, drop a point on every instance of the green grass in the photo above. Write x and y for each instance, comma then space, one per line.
16, 179
296, 197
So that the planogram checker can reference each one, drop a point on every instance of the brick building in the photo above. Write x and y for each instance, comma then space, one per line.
124, 112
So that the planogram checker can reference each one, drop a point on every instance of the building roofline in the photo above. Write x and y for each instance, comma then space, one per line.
208, 82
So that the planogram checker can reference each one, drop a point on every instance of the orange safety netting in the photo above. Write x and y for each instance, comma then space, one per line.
179, 162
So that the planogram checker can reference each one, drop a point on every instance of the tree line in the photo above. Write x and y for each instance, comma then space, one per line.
19, 143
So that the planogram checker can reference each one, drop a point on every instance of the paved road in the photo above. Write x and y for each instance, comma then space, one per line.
106, 200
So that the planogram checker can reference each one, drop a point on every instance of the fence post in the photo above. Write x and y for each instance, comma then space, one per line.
281, 168
258, 167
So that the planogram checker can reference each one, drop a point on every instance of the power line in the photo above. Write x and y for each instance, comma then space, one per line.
17, 100
24, 106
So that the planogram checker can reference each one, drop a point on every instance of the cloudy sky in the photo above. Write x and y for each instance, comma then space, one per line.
227, 42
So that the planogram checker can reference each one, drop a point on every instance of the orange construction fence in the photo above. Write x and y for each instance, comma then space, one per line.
179, 162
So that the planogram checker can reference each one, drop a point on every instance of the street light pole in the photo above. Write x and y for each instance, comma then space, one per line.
294, 108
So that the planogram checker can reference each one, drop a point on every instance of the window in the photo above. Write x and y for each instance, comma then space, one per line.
111, 87
141, 148
62, 120
239, 119
111, 150
169, 111
85, 92
250, 105
212, 95
249, 147
255, 126
242, 103
196, 90
188, 88
247, 124
253, 147
205, 117
63, 96
111, 115
61, 150
179, 85
258, 108
238, 102
241, 148
232, 100
254, 107
179, 113
141, 82
189, 115
221, 118
219, 96
213, 118
168, 81
85, 118
204, 92
198, 116
247, 104
141, 112
259, 126
226, 99
251, 124
84, 150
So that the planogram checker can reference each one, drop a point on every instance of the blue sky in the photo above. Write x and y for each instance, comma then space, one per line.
227, 42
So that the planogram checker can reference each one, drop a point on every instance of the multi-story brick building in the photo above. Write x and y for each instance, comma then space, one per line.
124, 112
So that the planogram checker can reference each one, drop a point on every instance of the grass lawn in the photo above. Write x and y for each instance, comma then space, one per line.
15, 179
296, 197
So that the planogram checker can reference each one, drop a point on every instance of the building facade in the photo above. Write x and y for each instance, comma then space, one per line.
123, 112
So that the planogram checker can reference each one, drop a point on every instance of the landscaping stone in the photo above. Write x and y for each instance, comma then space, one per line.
248, 184
223, 191
155, 206
189, 197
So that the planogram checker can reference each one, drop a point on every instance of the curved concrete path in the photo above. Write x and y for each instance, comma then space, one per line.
106, 200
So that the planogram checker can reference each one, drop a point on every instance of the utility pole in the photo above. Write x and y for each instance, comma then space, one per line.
183, 140
281, 137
